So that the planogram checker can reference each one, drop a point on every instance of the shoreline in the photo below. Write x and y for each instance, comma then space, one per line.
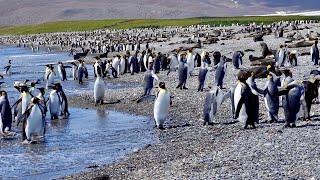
189, 150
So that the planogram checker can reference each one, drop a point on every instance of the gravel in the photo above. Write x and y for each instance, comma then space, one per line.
188, 150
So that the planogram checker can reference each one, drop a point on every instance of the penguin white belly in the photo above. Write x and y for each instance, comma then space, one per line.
46, 73
1, 124
122, 65
34, 123
237, 96
145, 62
99, 89
190, 63
280, 59
219, 99
50, 81
74, 72
60, 72
54, 104
26, 98
161, 107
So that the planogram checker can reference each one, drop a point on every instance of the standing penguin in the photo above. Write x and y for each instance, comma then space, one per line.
315, 53
280, 56
173, 63
243, 101
74, 71
311, 93
47, 71
54, 103
202, 77
161, 105
271, 98
26, 98
62, 71
99, 89
190, 62
220, 72
33, 122
97, 67
116, 63
5, 114
50, 77
183, 74
216, 58
237, 59
81, 71
63, 100
122, 65
8, 68
148, 81
255, 96
212, 104
291, 103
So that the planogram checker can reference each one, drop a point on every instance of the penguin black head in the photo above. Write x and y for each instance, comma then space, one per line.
35, 100
57, 85
242, 75
287, 72
9, 61
97, 58
242, 53
162, 85
281, 46
24, 88
42, 90
316, 42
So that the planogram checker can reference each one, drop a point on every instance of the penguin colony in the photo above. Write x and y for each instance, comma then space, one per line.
293, 95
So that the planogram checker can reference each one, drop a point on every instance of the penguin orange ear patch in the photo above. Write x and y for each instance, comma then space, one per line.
3, 93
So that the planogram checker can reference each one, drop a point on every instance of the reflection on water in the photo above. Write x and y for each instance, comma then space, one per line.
87, 138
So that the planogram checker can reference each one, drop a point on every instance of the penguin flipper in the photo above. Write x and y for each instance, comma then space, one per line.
240, 103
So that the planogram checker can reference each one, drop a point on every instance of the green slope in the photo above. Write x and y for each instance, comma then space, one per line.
87, 25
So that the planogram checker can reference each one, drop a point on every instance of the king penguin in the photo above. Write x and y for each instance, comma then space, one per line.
220, 72
26, 98
237, 59
33, 122
212, 104
63, 100
162, 105
6, 115
202, 77
183, 74
255, 95
271, 99
190, 62
62, 71
54, 103
99, 88
148, 81
50, 77
8, 68
243, 101
74, 71
291, 103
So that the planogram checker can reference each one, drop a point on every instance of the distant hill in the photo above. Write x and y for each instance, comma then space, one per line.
20, 12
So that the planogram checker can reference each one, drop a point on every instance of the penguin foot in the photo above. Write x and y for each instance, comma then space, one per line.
286, 126
210, 123
293, 126
185, 88
161, 127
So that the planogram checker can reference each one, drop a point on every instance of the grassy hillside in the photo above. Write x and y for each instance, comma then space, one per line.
87, 25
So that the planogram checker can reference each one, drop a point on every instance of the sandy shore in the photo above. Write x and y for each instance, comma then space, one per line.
188, 150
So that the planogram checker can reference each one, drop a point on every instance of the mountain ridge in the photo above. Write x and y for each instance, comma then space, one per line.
17, 12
